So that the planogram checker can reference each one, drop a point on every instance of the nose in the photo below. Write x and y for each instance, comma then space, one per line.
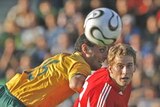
124, 70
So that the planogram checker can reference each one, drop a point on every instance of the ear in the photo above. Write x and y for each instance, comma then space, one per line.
109, 68
84, 48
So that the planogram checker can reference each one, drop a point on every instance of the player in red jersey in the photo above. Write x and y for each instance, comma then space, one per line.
111, 86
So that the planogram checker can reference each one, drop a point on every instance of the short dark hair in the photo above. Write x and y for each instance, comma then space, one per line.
81, 40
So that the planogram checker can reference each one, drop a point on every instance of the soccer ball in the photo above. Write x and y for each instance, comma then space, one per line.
102, 26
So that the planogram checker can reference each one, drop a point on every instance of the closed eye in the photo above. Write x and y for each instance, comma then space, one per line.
102, 50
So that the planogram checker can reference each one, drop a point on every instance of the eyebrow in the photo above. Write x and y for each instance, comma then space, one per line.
119, 63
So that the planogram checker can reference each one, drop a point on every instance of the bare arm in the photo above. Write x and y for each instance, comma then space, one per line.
77, 82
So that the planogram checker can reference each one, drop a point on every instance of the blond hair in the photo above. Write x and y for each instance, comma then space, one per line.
120, 49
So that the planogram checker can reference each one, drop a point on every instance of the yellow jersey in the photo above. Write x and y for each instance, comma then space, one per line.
48, 84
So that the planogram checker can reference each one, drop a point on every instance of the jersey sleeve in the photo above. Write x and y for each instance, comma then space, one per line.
79, 68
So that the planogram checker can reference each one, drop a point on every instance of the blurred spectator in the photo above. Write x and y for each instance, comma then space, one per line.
155, 103
78, 22
137, 89
52, 30
136, 43
10, 72
29, 35
10, 57
121, 6
129, 27
143, 6
19, 12
61, 19
102, 3
150, 35
40, 51
158, 20
24, 62
45, 7
64, 44
149, 96
66, 18
157, 53
10, 29
149, 65
143, 10
66, 14
95, 4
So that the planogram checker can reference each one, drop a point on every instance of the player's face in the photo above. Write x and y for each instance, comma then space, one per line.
122, 70
97, 55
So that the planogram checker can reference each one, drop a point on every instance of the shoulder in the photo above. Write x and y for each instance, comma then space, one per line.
101, 94
77, 56
98, 76
78, 61
98, 80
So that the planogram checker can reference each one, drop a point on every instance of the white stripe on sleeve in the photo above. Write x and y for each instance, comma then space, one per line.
103, 95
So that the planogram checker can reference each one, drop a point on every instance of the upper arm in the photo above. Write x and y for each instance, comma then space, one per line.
76, 82
77, 76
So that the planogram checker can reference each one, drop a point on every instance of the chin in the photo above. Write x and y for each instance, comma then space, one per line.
123, 84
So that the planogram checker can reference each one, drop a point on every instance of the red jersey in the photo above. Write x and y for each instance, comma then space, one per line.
99, 90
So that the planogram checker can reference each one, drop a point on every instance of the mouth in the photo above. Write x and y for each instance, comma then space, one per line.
125, 78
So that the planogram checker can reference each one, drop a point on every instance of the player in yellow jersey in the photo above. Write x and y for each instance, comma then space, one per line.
56, 79
60, 76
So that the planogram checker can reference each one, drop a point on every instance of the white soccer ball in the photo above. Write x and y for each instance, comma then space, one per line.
102, 26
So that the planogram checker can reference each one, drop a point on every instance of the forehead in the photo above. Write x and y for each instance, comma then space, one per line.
124, 59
